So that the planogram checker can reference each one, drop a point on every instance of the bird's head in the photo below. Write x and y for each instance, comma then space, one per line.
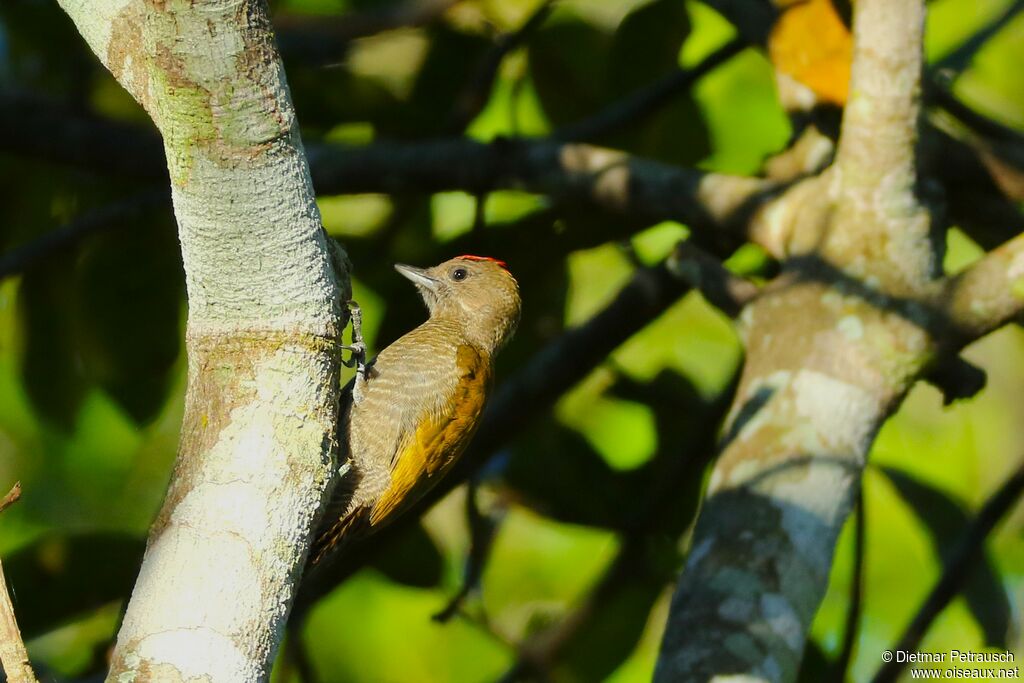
477, 292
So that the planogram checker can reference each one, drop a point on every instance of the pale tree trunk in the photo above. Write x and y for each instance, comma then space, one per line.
264, 320
833, 346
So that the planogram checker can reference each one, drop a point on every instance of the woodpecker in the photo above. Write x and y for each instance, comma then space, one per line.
409, 414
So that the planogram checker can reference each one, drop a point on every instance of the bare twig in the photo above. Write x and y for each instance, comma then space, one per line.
976, 197
539, 654
571, 173
20, 259
962, 559
649, 99
13, 656
987, 295
12, 497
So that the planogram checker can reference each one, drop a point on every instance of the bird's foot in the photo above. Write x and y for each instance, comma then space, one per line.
358, 346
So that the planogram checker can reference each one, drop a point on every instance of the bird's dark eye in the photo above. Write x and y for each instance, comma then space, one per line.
459, 274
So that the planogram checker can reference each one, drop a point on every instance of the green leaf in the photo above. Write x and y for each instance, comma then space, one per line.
552, 455
56, 580
325, 98
815, 665
615, 623
946, 520
452, 62
646, 45
370, 629
674, 134
43, 50
662, 496
49, 359
411, 559
578, 70
130, 293
568, 62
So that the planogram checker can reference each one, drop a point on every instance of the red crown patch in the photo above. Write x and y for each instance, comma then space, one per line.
471, 257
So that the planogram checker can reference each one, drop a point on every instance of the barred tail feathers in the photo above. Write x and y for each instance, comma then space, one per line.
351, 526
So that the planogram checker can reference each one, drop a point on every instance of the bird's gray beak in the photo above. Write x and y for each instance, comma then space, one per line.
419, 276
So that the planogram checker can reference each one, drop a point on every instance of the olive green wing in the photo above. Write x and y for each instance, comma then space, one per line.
427, 453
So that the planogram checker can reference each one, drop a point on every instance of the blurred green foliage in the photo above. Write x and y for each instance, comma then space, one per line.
593, 501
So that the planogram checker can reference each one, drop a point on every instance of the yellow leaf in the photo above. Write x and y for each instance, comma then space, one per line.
811, 44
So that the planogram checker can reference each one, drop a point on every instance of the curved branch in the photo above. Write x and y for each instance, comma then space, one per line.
816, 385
264, 321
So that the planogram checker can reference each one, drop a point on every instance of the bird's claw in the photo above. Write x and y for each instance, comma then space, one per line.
358, 346
358, 358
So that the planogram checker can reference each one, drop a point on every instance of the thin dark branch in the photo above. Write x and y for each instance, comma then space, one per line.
753, 19
482, 529
612, 181
570, 173
961, 57
723, 289
473, 98
975, 197
541, 652
995, 138
962, 559
942, 96
318, 40
50, 130
854, 611
22, 258
998, 138
646, 101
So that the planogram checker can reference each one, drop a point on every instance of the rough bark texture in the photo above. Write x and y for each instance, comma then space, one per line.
264, 318
832, 348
